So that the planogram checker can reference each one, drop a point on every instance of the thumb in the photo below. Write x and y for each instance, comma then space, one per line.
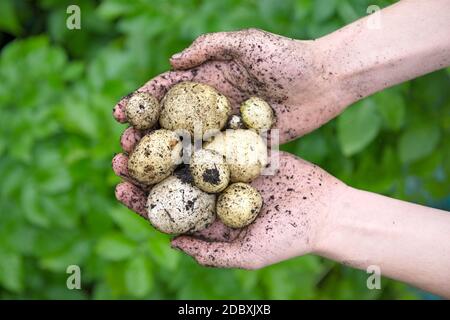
209, 46
214, 254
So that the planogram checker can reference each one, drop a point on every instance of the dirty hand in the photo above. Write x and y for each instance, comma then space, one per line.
298, 198
285, 72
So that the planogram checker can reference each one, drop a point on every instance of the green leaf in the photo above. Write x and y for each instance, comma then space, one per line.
276, 278
9, 20
115, 278
60, 260
321, 29
115, 247
312, 147
134, 226
86, 123
357, 127
138, 276
2, 147
73, 71
248, 279
102, 291
392, 108
303, 8
112, 9
347, 12
11, 271
427, 166
324, 9
446, 155
55, 180
418, 142
165, 256
31, 206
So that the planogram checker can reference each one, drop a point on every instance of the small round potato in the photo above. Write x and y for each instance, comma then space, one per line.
235, 122
210, 171
155, 156
238, 205
175, 206
142, 110
193, 106
257, 114
245, 153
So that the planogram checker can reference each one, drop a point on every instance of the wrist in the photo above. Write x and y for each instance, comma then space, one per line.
335, 222
320, 89
337, 67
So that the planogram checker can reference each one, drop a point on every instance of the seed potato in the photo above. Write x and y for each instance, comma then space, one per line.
238, 205
176, 206
257, 114
142, 110
245, 153
190, 105
155, 156
209, 170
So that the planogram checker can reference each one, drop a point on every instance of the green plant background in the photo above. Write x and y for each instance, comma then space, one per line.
57, 137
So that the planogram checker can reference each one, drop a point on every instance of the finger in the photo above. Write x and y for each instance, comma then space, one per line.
119, 110
130, 137
210, 46
132, 197
215, 254
217, 231
157, 87
120, 168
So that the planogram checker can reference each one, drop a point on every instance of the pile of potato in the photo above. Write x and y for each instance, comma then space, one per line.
185, 198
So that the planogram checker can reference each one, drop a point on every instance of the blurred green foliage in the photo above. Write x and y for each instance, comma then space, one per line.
57, 137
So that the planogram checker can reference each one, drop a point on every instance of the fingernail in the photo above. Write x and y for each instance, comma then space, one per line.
176, 55
175, 247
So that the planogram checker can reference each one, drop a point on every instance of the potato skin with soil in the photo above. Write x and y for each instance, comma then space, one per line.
245, 153
257, 114
190, 104
209, 170
175, 206
235, 122
142, 110
155, 157
238, 205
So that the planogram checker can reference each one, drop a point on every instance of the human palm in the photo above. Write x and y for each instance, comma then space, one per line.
251, 62
297, 200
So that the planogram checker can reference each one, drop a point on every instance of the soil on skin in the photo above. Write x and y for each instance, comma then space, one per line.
211, 176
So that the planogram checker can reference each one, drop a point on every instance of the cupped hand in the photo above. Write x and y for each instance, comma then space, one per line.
285, 72
298, 199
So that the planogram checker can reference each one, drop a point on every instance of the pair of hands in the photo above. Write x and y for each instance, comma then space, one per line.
308, 83
289, 74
